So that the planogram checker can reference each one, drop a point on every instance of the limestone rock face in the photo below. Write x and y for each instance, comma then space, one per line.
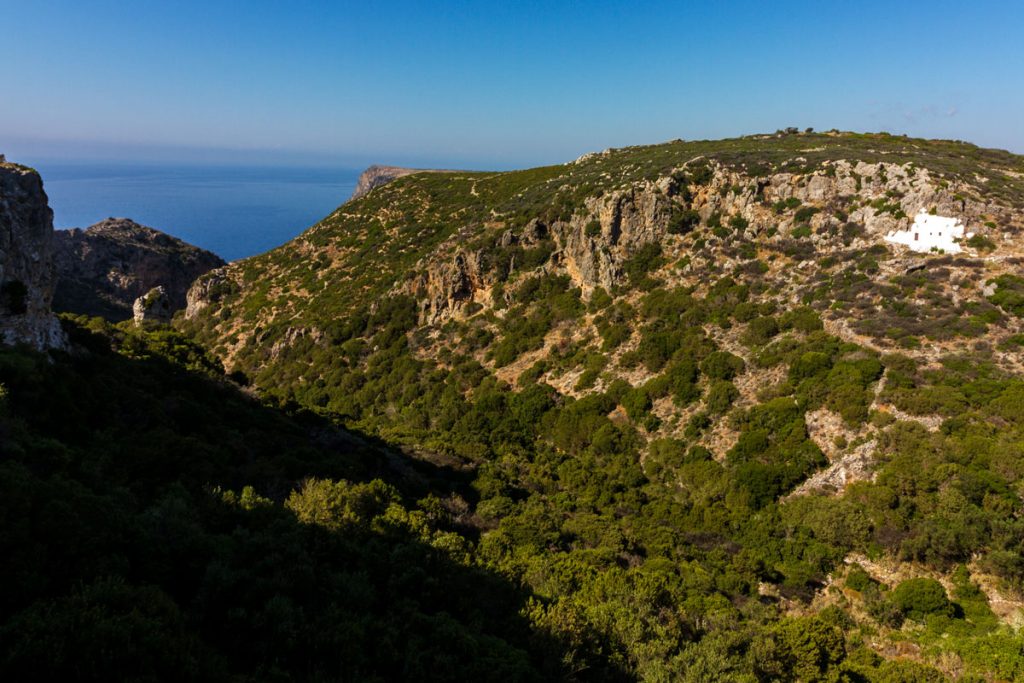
153, 306
444, 289
103, 269
628, 220
26, 261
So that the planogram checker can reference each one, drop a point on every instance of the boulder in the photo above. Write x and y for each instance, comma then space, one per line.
154, 306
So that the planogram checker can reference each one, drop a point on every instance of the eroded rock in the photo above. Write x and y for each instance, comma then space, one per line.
26, 261
153, 307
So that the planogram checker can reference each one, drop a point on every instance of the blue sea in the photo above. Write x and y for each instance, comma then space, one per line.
232, 211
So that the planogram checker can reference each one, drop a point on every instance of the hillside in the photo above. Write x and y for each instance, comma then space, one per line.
160, 523
709, 413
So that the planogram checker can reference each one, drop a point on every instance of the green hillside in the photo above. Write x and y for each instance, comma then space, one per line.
676, 412
708, 412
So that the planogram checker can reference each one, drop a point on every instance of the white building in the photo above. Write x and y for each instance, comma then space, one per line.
931, 233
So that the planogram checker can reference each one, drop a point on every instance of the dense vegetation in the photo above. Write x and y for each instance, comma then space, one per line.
556, 482
159, 525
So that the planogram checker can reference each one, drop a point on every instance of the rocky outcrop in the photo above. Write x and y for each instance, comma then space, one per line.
103, 269
624, 221
445, 289
26, 261
206, 290
153, 307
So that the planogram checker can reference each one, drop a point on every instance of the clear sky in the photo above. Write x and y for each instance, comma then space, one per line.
492, 84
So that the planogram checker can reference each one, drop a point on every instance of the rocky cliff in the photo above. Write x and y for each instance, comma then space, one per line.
103, 269
26, 261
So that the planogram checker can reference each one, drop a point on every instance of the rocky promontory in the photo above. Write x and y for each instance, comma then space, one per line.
377, 175
103, 269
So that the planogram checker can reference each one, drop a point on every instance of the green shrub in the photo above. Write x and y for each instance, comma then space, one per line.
739, 223
801, 231
801, 318
644, 260
921, 597
981, 243
599, 299
722, 365
859, 580
721, 396
760, 331
682, 221
805, 213
1009, 294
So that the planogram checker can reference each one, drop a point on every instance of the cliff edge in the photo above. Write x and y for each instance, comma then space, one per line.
26, 261
377, 175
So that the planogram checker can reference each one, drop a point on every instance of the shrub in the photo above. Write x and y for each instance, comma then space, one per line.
643, 261
700, 175
760, 331
782, 205
599, 299
682, 221
721, 396
722, 365
859, 580
696, 425
981, 243
804, 214
808, 365
1009, 294
918, 598
739, 223
801, 318
801, 231
637, 403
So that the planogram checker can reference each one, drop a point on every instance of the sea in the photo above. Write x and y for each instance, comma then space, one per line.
233, 211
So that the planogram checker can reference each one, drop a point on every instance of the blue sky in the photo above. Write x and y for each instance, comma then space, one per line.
492, 84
